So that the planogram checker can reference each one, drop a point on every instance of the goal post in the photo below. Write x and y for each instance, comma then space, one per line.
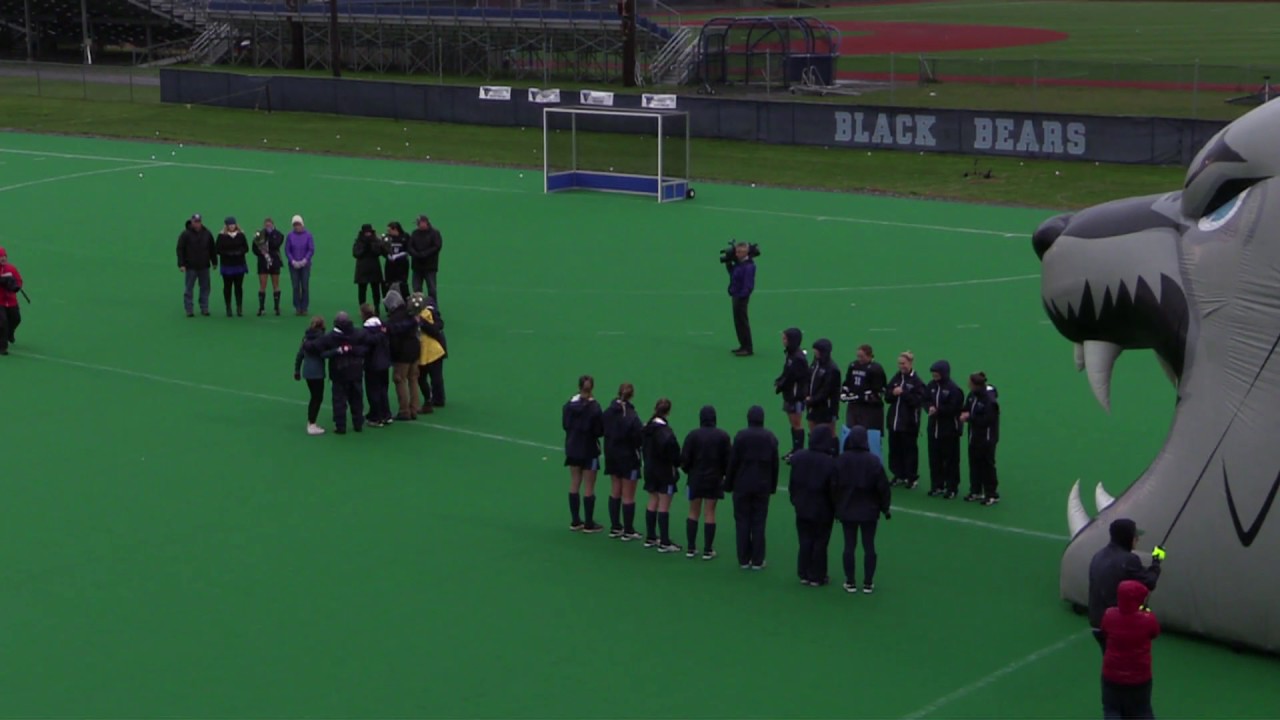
639, 152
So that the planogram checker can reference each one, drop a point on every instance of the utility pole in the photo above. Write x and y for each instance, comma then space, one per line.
31, 43
627, 9
335, 46
84, 27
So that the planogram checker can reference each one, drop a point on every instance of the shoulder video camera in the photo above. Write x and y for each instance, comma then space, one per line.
729, 255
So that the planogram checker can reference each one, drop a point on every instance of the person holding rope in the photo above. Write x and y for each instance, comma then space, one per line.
1115, 564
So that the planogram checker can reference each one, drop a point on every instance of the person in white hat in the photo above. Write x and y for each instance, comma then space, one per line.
299, 248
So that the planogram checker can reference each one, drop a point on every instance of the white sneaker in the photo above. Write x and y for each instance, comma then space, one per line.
315, 430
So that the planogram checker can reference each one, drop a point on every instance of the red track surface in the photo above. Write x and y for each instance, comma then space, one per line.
883, 38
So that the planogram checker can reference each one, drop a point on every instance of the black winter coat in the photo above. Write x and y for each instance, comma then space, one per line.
813, 477
424, 248
792, 383
903, 413
948, 399
195, 249
824, 384
396, 250
377, 344
232, 250
402, 329
344, 348
862, 488
623, 436
704, 456
366, 250
753, 458
661, 453
864, 383
984, 416
583, 427
1112, 565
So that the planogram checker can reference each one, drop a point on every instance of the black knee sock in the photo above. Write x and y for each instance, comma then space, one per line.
664, 527
262, 301
711, 536
275, 296
629, 517
691, 530
589, 508
650, 524
615, 509
797, 440
573, 508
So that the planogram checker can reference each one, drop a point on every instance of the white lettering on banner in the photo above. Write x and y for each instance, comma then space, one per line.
1029, 136
490, 92
889, 129
544, 97
592, 97
658, 102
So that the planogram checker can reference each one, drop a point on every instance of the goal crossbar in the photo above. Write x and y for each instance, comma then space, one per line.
666, 184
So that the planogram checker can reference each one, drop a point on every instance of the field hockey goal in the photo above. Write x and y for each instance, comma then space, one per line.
640, 152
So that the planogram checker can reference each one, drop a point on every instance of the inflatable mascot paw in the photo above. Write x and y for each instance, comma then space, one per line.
1194, 276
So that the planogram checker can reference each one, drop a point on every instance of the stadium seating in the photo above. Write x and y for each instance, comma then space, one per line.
112, 23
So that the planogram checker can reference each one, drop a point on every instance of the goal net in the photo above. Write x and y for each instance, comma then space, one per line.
642, 152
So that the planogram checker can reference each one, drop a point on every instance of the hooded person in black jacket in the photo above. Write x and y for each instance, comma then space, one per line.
792, 385
583, 427
812, 485
752, 478
195, 256
366, 250
1114, 564
944, 401
904, 395
344, 348
377, 367
863, 389
622, 439
823, 396
424, 247
704, 458
982, 413
402, 330
395, 247
661, 453
862, 495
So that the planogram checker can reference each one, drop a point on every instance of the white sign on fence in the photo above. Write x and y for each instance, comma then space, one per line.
592, 97
543, 97
658, 102
491, 92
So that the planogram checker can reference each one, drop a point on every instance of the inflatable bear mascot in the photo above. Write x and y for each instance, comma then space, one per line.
1193, 275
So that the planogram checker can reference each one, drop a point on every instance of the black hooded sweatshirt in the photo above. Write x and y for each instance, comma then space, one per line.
705, 455
864, 383
366, 250
753, 459
1114, 564
948, 398
813, 477
795, 370
862, 488
377, 344
344, 348
983, 407
903, 413
824, 382
583, 427
661, 453
622, 437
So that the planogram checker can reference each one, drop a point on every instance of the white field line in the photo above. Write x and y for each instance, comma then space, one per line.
73, 176
158, 163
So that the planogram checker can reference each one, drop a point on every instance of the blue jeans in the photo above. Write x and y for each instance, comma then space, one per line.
194, 276
301, 280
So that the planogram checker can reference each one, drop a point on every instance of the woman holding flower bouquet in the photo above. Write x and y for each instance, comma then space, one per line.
266, 247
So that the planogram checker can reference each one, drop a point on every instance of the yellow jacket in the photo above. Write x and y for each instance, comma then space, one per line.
431, 350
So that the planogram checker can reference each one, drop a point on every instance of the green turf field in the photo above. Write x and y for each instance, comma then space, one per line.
175, 545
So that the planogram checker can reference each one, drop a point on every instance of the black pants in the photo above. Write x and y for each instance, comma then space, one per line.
316, 387
377, 385
377, 293
741, 323
944, 464
10, 319
814, 539
750, 515
430, 277
348, 393
233, 284
1127, 701
904, 455
431, 383
982, 469
851, 531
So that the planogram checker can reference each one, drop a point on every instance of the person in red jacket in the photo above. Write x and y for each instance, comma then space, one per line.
1129, 629
10, 317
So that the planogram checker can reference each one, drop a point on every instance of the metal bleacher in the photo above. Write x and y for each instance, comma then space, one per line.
57, 26
538, 38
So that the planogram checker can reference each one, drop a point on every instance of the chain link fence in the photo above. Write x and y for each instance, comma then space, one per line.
110, 83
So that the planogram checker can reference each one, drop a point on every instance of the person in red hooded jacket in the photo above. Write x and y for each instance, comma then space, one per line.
1129, 629
10, 317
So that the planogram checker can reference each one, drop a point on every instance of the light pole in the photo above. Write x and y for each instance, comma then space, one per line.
84, 28
334, 41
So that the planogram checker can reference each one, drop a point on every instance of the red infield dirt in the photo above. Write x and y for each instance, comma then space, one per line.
882, 38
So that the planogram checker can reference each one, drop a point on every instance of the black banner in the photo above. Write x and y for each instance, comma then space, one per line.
1132, 140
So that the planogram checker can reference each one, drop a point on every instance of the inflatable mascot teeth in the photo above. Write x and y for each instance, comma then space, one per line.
1194, 276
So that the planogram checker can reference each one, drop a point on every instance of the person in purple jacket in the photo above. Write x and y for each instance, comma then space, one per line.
299, 247
742, 282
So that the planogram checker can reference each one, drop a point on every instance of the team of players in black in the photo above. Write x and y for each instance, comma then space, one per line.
831, 480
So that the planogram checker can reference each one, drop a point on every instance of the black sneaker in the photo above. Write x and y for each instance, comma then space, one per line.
911, 484
991, 500
359, 428
948, 496
204, 313
628, 536
935, 492
340, 431
593, 528
615, 533
868, 589
262, 311
787, 458
743, 353
650, 543
691, 552
850, 587
973, 498
709, 555
668, 548
575, 526
894, 482
191, 314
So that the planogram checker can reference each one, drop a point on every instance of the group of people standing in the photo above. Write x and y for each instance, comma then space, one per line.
851, 487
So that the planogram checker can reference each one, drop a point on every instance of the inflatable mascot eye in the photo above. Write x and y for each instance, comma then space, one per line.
1223, 214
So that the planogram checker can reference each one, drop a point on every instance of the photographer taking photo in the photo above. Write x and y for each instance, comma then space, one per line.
738, 261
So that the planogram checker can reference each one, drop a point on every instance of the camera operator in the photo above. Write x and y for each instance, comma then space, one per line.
10, 286
742, 281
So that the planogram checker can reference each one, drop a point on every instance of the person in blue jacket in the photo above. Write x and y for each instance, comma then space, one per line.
742, 282
583, 427
982, 413
812, 484
309, 365
622, 439
862, 495
944, 401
